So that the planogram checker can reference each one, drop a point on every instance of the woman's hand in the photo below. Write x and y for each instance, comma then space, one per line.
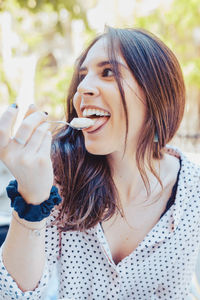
27, 155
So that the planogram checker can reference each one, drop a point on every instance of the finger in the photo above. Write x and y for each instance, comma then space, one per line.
29, 125
37, 137
31, 109
7, 121
45, 148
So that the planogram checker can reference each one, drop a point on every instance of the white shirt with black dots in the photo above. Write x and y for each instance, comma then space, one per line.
161, 267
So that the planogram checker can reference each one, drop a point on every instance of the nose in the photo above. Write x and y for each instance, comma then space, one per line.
88, 87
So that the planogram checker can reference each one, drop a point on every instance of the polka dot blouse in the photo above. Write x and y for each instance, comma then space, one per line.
161, 267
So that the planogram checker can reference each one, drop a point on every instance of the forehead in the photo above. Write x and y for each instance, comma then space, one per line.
99, 52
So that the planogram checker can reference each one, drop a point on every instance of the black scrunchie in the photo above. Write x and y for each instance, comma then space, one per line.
31, 212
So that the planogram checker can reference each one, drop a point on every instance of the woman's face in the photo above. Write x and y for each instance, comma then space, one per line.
98, 97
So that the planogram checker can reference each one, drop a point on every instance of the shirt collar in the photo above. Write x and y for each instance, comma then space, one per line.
187, 181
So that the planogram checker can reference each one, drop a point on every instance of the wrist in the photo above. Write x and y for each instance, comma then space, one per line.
32, 199
31, 225
35, 228
31, 212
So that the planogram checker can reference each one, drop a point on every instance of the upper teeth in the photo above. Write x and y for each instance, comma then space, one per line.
91, 111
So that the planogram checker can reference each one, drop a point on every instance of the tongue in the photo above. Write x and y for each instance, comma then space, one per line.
98, 123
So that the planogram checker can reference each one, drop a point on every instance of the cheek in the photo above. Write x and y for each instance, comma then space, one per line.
137, 118
76, 103
121, 116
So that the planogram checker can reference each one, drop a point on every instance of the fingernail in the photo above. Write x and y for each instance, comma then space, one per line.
31, 106
14, 105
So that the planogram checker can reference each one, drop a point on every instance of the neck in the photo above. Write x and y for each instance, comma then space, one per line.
127, 178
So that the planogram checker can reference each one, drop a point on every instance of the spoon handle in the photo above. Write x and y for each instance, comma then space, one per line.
66, 123
59, 122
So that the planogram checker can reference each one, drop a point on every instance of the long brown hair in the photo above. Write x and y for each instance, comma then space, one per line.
85, 180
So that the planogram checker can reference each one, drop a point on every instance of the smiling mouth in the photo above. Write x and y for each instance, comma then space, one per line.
95, 113
99, 123
99, 116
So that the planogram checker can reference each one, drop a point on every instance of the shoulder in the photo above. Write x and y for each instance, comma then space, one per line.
189, 169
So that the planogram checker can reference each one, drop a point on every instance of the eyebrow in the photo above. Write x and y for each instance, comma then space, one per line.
105, 63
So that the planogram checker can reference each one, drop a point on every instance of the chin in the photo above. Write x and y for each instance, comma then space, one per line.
97, 150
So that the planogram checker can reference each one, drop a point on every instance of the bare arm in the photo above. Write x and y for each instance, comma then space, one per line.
23, 252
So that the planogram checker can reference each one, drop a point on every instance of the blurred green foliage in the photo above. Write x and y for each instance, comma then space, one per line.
175, 25
29, 22
7, 84
74, 7
176, 28
51, 94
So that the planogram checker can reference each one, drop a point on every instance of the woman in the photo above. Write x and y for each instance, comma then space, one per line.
128, 224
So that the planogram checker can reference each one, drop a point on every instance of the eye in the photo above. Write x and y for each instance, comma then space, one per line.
107, 72
81, 76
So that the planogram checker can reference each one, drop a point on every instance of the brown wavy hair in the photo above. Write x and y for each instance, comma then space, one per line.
85, 180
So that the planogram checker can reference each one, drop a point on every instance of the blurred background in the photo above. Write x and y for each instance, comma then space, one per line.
40, 40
